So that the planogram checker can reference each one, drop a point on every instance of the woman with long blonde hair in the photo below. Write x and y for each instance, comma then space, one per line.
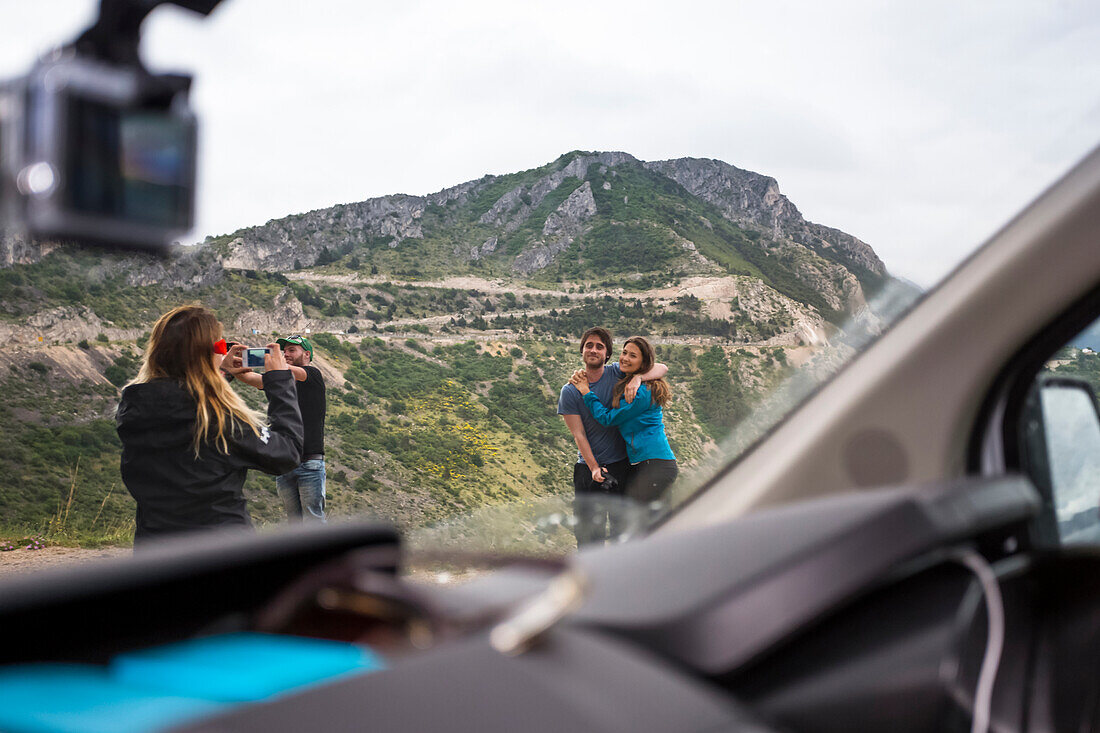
652, 463
188, 439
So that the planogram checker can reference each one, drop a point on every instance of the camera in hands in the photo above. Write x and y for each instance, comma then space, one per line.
255, 358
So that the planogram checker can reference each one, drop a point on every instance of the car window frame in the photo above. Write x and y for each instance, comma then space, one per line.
996, 441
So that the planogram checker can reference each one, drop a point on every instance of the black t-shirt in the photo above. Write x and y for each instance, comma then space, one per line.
311, 401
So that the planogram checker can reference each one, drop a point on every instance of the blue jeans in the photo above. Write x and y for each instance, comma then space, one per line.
303, 491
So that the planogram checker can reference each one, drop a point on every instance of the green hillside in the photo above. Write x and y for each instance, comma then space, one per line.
445, 324
421, 430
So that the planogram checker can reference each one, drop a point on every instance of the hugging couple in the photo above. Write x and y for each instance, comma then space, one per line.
614, 411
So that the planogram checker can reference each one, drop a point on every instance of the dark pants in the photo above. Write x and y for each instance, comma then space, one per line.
648, 482
596, 510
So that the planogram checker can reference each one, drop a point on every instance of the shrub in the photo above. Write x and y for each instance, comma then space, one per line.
102, 338
116, 375
366, 482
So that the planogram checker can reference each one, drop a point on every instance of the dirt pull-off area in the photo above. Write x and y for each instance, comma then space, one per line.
24, 561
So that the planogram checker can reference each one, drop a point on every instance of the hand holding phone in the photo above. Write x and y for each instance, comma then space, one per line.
275, 360
233, 361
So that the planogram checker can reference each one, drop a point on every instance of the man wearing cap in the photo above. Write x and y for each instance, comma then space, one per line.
303, 489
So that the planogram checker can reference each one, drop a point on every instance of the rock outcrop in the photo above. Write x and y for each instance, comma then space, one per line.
300, 240
476, 253
59, 325
284, 316
15, 249
512, 209
745, 197
562, 226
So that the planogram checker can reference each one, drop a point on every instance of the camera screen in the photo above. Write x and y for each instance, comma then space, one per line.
255, 357
129, 164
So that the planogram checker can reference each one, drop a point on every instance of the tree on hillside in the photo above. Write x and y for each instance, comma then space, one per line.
719, 402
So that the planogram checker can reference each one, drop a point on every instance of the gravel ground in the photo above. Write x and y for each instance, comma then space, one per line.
22, 561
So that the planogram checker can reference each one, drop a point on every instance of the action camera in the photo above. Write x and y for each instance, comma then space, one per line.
96, 149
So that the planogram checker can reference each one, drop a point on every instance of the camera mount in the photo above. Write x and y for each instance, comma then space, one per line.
115, 37
116, 34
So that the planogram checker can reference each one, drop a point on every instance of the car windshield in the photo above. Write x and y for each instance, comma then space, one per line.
429, 208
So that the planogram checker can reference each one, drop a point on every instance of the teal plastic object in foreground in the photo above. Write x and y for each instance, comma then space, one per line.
160, 687
241, 667
78, 698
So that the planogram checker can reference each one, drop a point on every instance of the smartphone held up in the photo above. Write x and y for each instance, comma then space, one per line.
254, 358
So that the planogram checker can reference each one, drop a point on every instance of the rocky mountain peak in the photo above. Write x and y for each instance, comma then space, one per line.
750, 198
742, 196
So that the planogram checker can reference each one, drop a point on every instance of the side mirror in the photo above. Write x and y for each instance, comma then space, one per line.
1069, 422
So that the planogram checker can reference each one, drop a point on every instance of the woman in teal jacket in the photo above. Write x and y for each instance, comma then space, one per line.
652, 463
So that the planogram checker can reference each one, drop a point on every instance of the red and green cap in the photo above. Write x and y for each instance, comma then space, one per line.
297, 341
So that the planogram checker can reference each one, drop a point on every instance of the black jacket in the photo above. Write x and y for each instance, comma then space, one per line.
177, 492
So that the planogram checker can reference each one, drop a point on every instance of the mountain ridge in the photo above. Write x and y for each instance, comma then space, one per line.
526, 223
503, 203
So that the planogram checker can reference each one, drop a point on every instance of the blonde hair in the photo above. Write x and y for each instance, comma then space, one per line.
658, 388
180, 348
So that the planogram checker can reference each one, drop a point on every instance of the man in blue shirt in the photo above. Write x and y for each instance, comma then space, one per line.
601, 450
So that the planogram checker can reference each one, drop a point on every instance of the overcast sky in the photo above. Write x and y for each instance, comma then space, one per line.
919, 127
